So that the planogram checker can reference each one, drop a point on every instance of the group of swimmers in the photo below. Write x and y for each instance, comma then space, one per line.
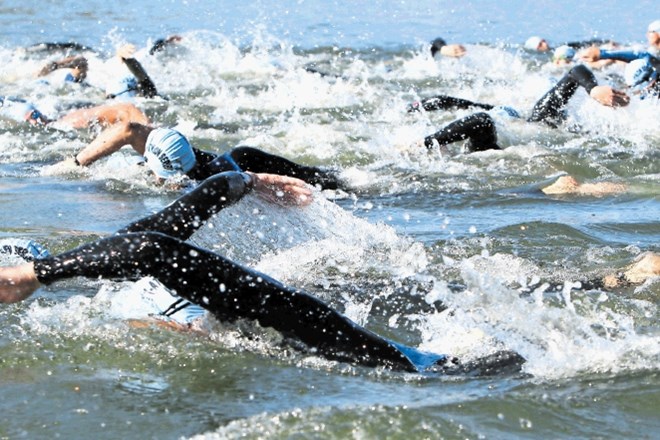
157, 245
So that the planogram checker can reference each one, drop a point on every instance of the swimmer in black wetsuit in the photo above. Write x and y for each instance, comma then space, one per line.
154, 246
479, 128
168, 153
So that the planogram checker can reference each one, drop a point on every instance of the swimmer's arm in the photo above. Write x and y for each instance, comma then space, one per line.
189, 212
604, 95
444, 102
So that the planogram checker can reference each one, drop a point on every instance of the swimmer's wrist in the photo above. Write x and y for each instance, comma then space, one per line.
248, 180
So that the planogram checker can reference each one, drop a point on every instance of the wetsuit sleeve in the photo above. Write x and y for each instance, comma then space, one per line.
479, 129
444, 102
623, 55
189, 212
549, 108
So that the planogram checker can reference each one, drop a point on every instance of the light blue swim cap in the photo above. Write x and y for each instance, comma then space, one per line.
506, 111
639, 72
168, 153
563, 53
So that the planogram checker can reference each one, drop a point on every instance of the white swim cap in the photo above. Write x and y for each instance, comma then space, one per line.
639, 72
532, 43
654, 27
563, 53
125, 87
168, 153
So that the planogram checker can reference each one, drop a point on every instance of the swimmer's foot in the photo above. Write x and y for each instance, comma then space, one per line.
499, 363
17, 282
646, 267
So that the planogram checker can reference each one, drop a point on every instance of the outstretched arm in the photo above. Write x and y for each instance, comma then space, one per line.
78, 64
189, 212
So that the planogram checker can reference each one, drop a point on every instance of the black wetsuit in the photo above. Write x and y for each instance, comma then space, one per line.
154, 246
258, 161
479, 128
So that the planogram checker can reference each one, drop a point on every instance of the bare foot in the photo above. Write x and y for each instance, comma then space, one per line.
563, 185
646, 267
17, 282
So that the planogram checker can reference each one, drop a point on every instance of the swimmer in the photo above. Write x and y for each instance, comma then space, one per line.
569, 185
440, 47
641, 73
77, 66
538, 44
104, 115
168, 153
155, 246
479, 128
645, 267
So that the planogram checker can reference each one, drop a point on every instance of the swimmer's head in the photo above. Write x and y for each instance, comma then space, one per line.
436, 45
654, 27
126, 87
563, 55
509, 112
639, 74
537, 43
168, 153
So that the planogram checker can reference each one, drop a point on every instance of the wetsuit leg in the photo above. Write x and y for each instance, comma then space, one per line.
188, 213
444, 102
549, 109
227, 290
257, 161
478, 128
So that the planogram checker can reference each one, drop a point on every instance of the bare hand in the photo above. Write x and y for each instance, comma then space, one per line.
590, 54
453, 50
126, 51
609, 97
282, 190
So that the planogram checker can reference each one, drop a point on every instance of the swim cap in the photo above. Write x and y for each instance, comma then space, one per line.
563, 53
532, 43
168, 153
436, 45
638, 72
654, 27
27, 250
503, 110
125, 87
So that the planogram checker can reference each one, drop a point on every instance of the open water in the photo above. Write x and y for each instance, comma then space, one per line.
416, 230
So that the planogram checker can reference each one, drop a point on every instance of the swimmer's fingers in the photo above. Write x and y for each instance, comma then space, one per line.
282, 190
610, 97
620, 99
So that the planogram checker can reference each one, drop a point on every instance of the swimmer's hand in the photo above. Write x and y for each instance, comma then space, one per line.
126, 51
453, 50
590, 54
609, 97
282, 190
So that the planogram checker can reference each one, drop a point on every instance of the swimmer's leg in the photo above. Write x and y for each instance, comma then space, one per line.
227, 290
478, 128
258, 161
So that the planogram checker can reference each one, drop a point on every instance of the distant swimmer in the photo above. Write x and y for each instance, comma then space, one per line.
155, 247
479, 129
168, 153
536, 43
565, 184
440, 47
641, 73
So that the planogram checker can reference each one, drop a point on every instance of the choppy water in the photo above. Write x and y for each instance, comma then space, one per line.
418, 229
